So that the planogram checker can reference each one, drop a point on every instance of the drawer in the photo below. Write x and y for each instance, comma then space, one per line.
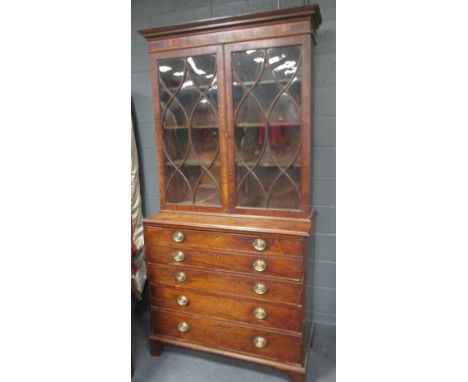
221, 334
279, 267
219, 240
224, 283
228, 308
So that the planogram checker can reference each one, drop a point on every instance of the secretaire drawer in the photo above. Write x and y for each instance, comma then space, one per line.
229, 308
220, 282
219, 240
213, 259
229, 336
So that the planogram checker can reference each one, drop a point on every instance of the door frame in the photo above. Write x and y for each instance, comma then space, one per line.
154, 57
306, 126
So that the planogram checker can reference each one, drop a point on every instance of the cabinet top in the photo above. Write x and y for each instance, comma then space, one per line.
235, 223
309, 12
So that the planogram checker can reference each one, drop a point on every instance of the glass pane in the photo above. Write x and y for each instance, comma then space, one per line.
246, 66
284, 111
295, 91
285, 192
171, 72
284, 62
202, 69
176, 143
190, 129
178, 186
250, 189
285, 145
267, 127
205, 144
266, 94
250, 142
204, 115
174, 113
249, 112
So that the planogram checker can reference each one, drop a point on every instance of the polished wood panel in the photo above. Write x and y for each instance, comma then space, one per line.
228, 308
280, 365
227, 261
226, 283
271, 226
293, 28
219, 240
223, 334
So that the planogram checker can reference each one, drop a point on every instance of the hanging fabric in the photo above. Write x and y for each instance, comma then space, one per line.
139, 272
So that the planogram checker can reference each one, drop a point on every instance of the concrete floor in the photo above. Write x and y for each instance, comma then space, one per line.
178, 364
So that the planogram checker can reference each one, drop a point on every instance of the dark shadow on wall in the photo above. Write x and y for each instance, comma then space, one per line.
140, 161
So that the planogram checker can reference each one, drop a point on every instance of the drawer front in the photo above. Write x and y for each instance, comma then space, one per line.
218, 240
281, 291
289, 268
266, 314
220, 334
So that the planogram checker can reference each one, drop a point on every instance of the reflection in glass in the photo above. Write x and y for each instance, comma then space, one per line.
267, 101
284, 111
284, 61
248, 65
190, 136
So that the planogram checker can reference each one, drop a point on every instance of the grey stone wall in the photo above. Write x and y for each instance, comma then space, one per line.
146, 14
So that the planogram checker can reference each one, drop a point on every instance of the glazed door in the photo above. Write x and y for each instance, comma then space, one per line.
190, 124
268, 115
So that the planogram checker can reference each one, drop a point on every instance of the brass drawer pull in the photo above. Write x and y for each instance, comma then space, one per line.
260, 313
260, 342
259, 244
178, 237
260, 288
183, 327
178, 256
259, 265
181, 276
182, 300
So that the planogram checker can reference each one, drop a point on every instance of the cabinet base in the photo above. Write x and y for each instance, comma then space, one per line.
155, 348
297, 377
297, 373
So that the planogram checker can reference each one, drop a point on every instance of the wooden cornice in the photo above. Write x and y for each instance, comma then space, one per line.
310, 12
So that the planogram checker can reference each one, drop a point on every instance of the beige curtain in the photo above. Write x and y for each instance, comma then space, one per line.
138, 260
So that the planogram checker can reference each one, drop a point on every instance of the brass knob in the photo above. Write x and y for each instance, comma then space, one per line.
178, 237
260, 288
183, 327
259, 265
259, 244
260, 342
178, 256
259, 313
180, 276
182, 300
